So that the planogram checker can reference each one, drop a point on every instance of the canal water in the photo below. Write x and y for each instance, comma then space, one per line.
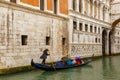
100, 69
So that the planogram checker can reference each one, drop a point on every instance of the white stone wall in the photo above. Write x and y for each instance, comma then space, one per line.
82, 42
115, 14
15, 22
115, 10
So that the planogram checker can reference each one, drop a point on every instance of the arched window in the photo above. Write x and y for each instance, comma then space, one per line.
99, 30
91, 28
80, 26
95, 29
80, 6
95, 9
99, 11
74, 5
74, 25
55, 6
104, 13
41, 4
86, 27
91, 7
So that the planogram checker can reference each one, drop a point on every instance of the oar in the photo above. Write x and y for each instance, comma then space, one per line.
52, 63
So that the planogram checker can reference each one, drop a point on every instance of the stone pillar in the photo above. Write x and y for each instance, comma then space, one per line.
77, 5
77, 25
70, 4
83, 8
107, 42
88, 8
93, 10
45, 6
97, 12
70, 29
107, 15
83, 26
101, 12
93, 28
88, 27
58, 7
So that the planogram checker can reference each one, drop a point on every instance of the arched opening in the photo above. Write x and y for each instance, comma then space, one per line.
115, 39
104, 42
110, 42
95, 9
115, 23
99, 11
104, 11
91, 7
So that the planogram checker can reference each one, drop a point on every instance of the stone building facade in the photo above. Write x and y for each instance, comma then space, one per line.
115, 20
74, 27
88, 20
26, 32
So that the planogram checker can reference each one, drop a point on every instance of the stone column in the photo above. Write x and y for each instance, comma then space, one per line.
70, 4
70, 29
107, 42
88, 27
77, 25
97, 12
101, 12
88, 8
83, 8
77, 5
93, 28
93, 10
83, 26
45, 6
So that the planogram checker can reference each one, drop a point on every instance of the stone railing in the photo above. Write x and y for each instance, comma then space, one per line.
85, 50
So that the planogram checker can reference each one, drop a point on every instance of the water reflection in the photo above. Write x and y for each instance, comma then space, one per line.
109, 72
67, 74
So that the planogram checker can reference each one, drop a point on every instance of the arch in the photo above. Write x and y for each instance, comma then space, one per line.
99, 11
115, 23
104, 42
111, 41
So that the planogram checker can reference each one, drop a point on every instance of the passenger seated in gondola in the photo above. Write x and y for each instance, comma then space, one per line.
78, 60
69, 62
59, 64
65, 59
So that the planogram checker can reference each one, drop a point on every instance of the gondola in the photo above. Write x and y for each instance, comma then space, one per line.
51, 67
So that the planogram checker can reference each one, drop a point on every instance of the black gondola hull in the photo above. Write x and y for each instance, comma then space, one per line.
53, 68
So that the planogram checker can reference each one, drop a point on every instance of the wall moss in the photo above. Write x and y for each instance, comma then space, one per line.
15, 69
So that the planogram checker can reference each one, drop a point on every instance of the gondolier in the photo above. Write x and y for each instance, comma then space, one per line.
44, 56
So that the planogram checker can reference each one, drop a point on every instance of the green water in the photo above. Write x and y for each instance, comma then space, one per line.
100, 69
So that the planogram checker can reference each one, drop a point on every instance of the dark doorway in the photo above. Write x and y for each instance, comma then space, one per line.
63, 45
104, 42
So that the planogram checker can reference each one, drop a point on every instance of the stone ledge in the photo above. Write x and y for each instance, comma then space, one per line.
15, 69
